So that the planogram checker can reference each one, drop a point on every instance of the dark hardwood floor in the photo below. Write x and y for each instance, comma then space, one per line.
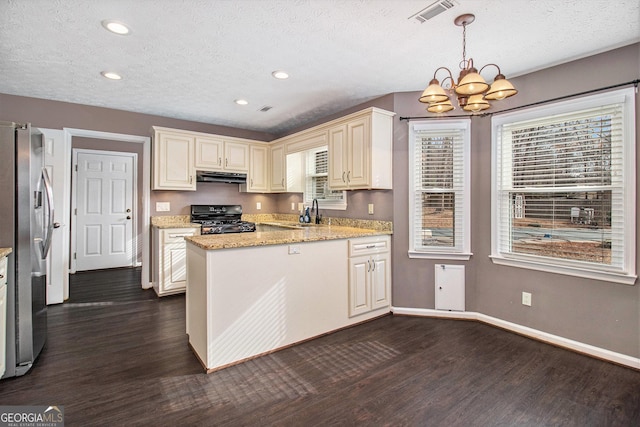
117, 355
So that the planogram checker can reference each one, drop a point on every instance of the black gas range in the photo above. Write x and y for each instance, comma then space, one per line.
220, 219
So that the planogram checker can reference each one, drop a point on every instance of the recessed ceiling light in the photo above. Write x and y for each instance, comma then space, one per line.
241, 101
280, 75
111, 75
116, 27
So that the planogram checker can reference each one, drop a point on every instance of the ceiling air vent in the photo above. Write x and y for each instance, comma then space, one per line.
265, 108
433, 10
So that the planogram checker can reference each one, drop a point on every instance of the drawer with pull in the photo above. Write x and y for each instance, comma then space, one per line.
177, 235
369, 245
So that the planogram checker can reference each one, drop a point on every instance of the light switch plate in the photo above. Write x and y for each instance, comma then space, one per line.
370, 208
526, 299
163, 206
258, 205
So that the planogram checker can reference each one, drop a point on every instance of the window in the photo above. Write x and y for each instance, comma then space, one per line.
439, 189
313, 166
564, 188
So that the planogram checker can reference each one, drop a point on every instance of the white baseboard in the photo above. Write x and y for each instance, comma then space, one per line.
600, 353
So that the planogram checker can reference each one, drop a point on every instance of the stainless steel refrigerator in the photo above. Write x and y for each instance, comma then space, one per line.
26, 224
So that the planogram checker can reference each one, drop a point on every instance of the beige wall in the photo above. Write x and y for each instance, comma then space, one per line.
602, 314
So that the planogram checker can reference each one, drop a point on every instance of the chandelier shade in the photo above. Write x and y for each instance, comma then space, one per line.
471, 84
500, 89
471, 89
434, 93
476, 103
440, 107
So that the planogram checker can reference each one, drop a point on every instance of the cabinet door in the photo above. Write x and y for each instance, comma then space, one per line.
380, 282
175, 267
359, 289
358, 154
258, 176
236, 157
3, 327
209, 153
173, 162
278, 169
337, 157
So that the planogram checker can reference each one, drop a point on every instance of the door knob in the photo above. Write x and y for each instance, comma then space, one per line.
56, 225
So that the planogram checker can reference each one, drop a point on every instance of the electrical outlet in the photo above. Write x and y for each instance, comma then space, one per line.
370, 208
293, 206
258, 205
163, 206
294, 250
526, 299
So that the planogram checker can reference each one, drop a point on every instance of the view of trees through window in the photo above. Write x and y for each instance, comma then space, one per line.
561, 189
438, 200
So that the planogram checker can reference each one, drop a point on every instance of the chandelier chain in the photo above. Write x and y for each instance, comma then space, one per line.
464, 45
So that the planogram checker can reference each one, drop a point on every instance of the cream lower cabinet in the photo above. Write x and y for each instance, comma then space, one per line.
169, 259
3, 314
369, 275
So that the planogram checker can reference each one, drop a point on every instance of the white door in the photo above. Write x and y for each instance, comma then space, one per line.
58, 162
104, 209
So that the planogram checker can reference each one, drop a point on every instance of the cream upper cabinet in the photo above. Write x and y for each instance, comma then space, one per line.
278, 169
236, 156
209, 154
360, 151
258, 177
217, 154
173, 167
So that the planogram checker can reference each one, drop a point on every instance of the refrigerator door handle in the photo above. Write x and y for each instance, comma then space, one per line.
46, 244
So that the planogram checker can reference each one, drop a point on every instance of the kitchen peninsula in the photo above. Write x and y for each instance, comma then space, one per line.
249, 294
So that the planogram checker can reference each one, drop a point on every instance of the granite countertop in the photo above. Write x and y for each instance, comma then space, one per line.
5, 251
312, 233
173, 221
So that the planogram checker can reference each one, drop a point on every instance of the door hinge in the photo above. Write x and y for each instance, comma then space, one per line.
75, 255
76, 167
75, 211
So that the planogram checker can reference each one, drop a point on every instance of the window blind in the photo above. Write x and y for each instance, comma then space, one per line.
438, 189
560, 187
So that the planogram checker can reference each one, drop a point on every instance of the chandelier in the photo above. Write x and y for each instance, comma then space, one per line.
472, 91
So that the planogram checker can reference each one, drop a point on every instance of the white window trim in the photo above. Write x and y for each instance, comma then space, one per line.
462, 253
573, 268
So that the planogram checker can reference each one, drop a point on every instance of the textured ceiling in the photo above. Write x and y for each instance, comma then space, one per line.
190, 59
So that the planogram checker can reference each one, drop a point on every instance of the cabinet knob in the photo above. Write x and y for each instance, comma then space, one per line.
128, 216
440, 287
128, 210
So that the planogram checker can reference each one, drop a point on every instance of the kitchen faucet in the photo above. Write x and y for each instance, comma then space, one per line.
316, 209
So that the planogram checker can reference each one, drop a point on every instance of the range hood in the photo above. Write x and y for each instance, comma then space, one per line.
227, 177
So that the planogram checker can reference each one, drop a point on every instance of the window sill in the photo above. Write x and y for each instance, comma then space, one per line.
607, 276
440, 255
